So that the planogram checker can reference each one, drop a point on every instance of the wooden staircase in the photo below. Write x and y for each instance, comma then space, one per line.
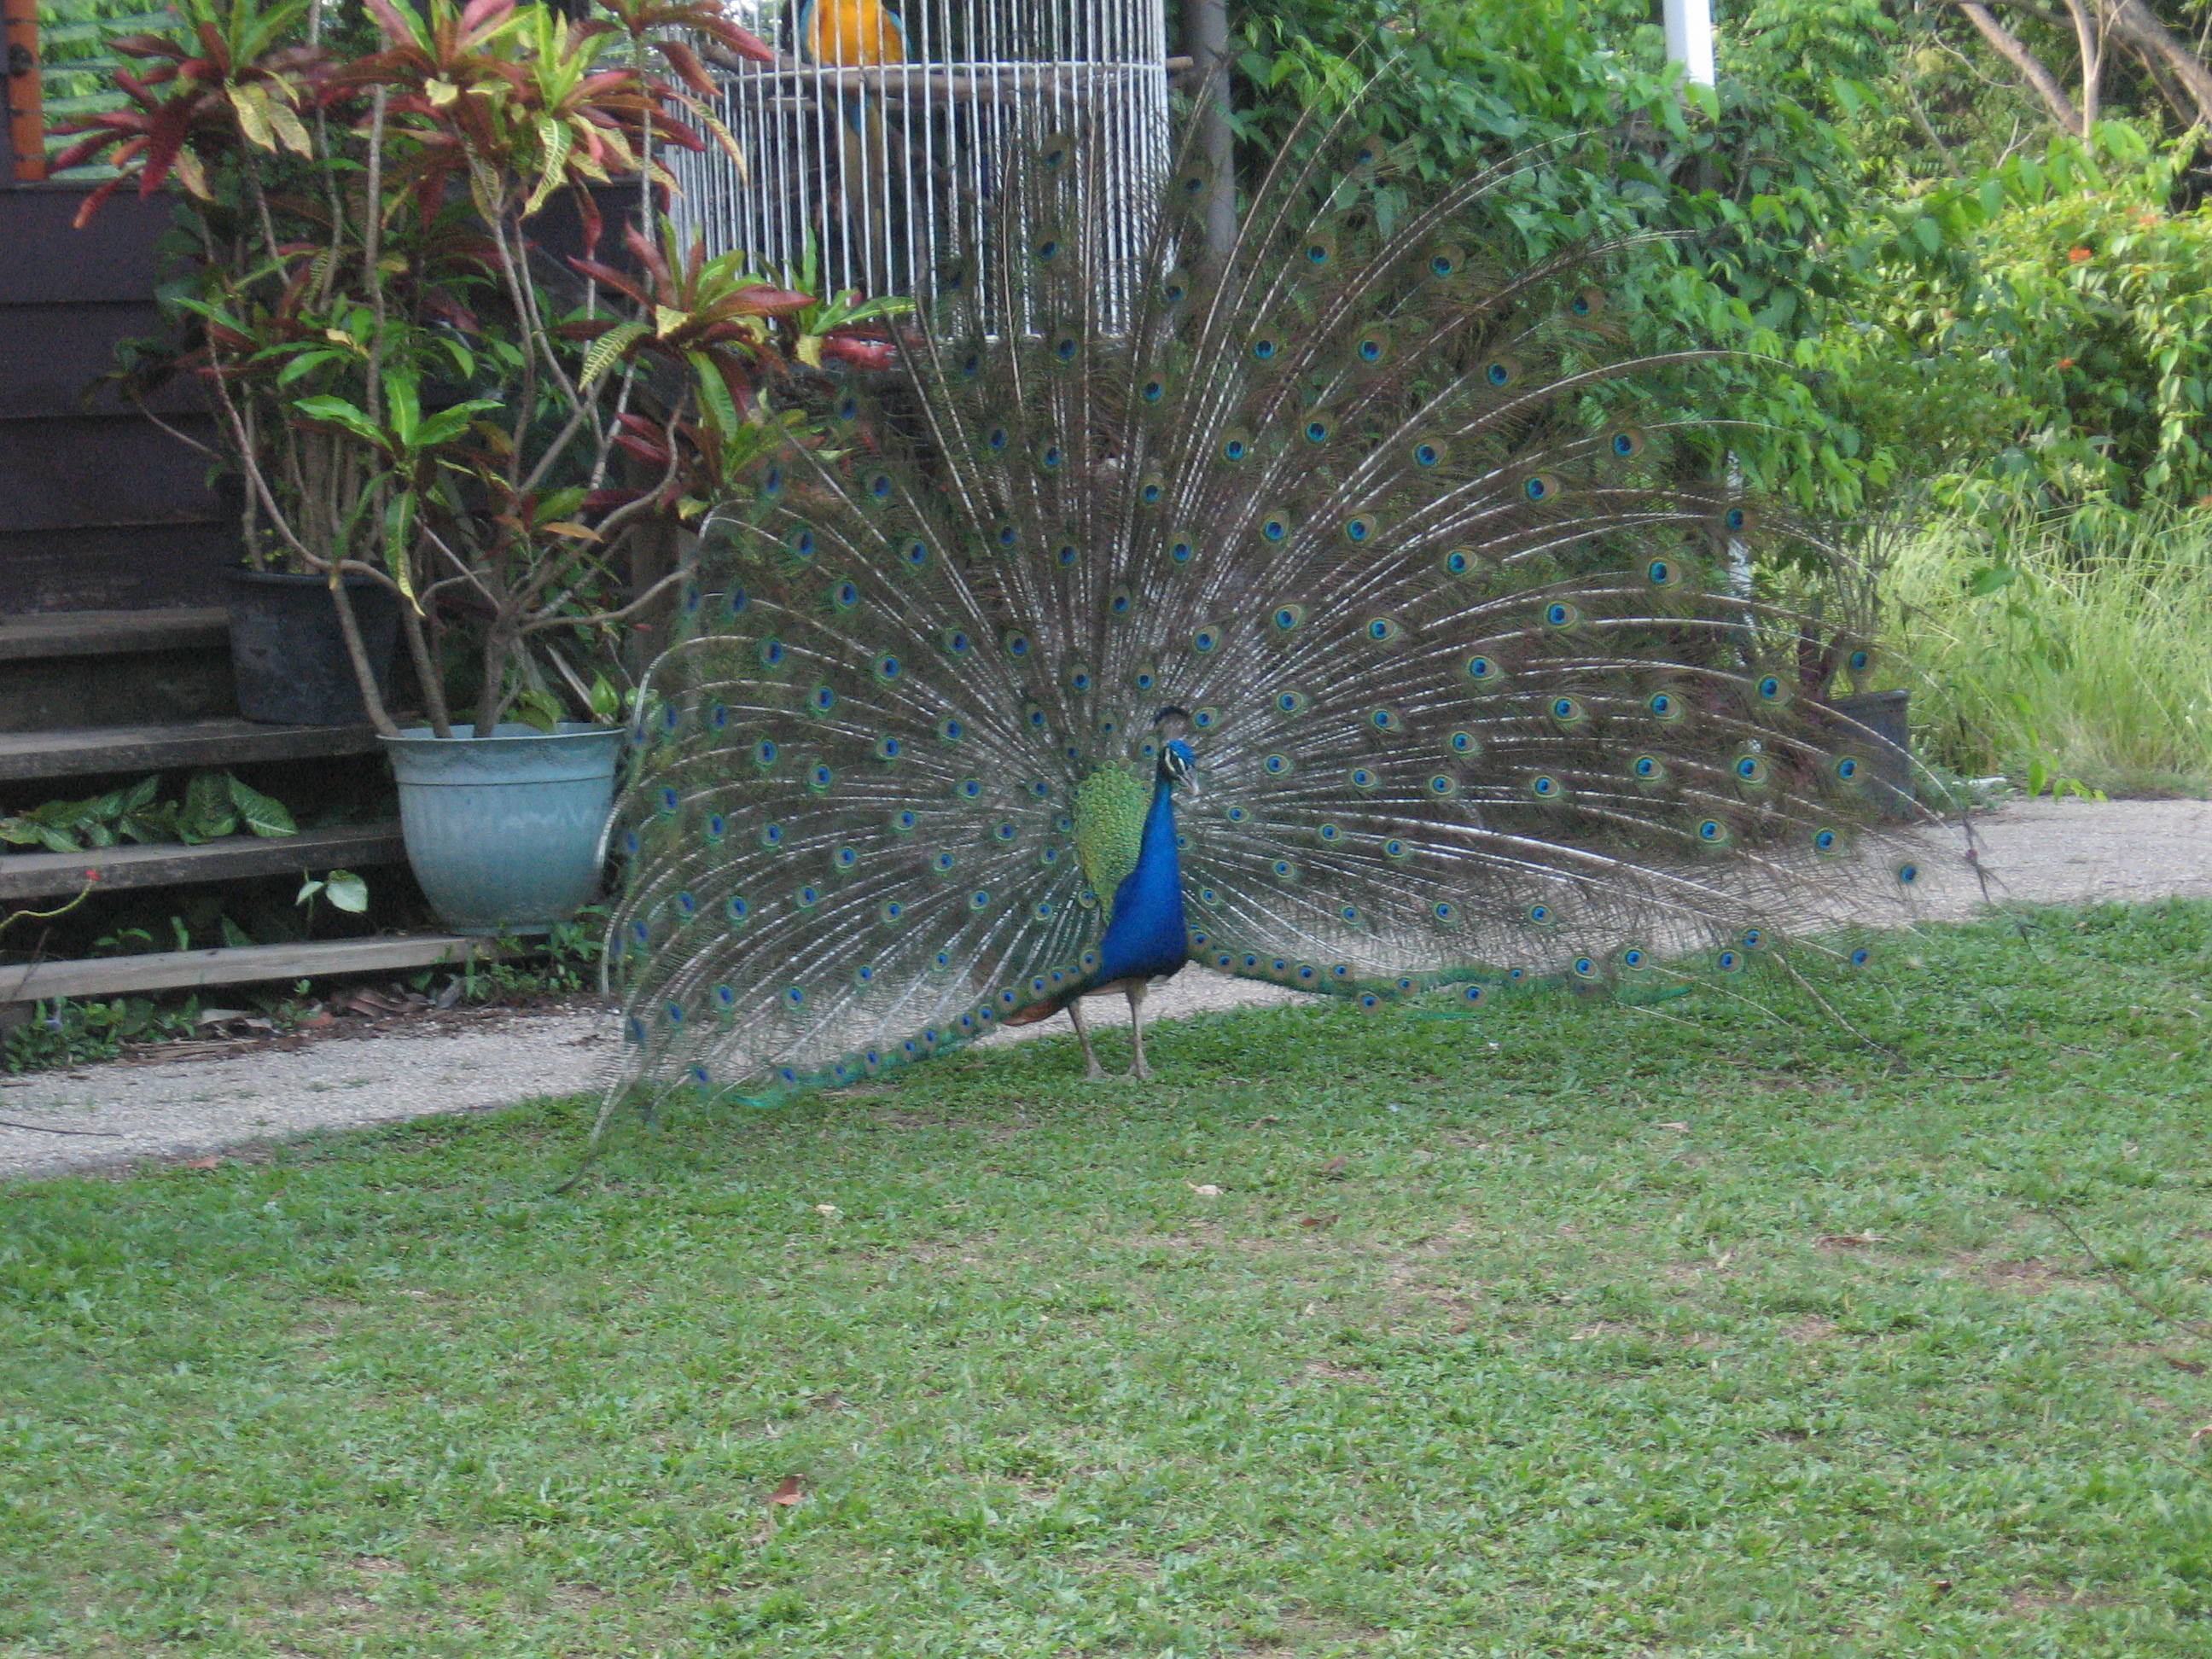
92, 698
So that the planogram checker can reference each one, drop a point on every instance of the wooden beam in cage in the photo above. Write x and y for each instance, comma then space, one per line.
27, 120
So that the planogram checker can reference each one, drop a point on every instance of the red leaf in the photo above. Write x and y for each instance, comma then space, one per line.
95, 201
860, 353
686, 63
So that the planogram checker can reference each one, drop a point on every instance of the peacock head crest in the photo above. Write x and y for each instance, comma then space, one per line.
1178, 765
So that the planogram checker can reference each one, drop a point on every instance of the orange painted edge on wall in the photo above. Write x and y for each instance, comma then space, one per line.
27, 125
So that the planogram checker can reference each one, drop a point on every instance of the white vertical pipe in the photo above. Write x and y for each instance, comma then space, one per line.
1690, 38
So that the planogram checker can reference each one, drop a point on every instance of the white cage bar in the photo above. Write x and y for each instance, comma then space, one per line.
874, 154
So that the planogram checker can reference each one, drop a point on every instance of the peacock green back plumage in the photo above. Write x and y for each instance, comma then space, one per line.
1473, 695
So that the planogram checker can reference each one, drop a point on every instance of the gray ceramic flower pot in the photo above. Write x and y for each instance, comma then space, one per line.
507, 834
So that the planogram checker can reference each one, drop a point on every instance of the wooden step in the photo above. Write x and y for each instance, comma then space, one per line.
112, 633
172, 970
189, 743
344, 846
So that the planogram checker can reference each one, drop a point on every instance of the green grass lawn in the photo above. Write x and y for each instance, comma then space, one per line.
1697, 1330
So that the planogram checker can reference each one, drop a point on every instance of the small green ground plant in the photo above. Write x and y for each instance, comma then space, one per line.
1693, 1331
2054, 647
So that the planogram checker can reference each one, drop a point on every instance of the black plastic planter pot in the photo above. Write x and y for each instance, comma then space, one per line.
288, 655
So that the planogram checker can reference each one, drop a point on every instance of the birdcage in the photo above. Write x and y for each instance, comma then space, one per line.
875, 145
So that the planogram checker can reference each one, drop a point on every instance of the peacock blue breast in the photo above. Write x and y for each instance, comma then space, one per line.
1146, 938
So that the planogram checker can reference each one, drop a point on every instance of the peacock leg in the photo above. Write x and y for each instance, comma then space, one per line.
1091, 1068
1136, 990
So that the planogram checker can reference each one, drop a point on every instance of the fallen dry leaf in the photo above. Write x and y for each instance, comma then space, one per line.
1335, 1166
1847, 1241
789, 1493
1317, 1222
1207, 1190
830, 1210
212, 1161
2194, 1367
2197, 1434
1684, 1128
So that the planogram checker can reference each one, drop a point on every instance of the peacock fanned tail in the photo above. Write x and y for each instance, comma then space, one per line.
1472, 694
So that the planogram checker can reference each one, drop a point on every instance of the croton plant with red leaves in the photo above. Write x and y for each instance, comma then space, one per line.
413, 388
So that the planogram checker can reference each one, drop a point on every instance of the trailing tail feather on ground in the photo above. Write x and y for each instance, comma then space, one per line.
1329, 621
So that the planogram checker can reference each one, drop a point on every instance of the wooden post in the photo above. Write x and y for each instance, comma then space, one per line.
1206, 41
26, 122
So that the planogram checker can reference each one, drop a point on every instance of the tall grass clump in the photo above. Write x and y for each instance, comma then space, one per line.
2055, 647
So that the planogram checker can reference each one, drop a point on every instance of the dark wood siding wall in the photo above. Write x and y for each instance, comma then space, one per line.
99, 508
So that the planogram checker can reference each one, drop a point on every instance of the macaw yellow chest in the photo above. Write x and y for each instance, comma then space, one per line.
852, 32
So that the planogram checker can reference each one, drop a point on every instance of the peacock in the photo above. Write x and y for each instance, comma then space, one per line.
1316, 608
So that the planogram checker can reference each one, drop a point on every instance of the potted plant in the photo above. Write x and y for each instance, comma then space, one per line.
421, 398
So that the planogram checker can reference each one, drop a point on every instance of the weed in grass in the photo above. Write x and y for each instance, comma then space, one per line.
1725, 1335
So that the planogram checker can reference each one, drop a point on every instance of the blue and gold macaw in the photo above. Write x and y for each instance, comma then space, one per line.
856, 34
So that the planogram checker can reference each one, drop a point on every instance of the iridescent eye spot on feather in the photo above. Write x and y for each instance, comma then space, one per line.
802, 544
1066, 348
846, 408
955, 642
1003, 832
1475, 996
1484, 670
1446, 261
1648, 769
735, 601
1665, 705
1858, 662
738, 910
1359, 528
726, 998
845, 857
1443, 786
1067, 554
1859, 958
1542, 916
1235, 445
1546, 787
1210, 897
1751, 770
822, 699
1372, 347
1735, 520
1584, 968
1175, 288
674, 1010
1394, 848
1713, 833
1560, 614
1458, 561
969, 789
1631, 958
943, 863
1826, 841
1288, 616
1318, 251
765, 754
1050, 458
1266, 347
1428, 453
1283, 869
1292, 702
669, 800
819, 778
717, 826
1663, 572
889, 911
1079, 679
1317, 431
771, 483
1384, 719
1207, 719
795, 995
889, 668
1007, 537
688, 905
772, 834
1728, 960
1753, 938
630, 842
1275, 527
1277, 766
807, 898
1567, 711
771, 653
996, 437
1908, 874
952, 731
1119, 600
1847, 769
1541, 486
979, 899
1016, 645
879, 486
1152, 488
845, 595
1463, 742
1382, 630
1770, 689
914, 553
1206, 640
1365, 779
1499, 374
1154, 391
1626, 443
903, 820
1235, 815
1329, 835
1180, 551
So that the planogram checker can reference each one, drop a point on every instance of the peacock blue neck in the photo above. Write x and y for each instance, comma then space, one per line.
1145, 936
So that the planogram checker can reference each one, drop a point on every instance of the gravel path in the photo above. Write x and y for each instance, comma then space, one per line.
2039, 851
